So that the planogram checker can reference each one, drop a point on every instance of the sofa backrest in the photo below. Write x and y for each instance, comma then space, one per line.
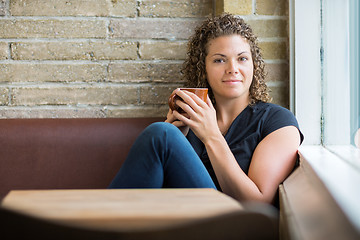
64, 153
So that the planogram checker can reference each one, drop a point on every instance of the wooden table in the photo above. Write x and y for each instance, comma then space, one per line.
121, 209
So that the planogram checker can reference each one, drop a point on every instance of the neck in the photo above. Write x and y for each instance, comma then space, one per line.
226, 112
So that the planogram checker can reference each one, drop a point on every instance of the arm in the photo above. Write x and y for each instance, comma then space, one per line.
272, 162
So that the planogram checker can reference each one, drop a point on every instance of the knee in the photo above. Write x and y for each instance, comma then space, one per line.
161, 131
160, 128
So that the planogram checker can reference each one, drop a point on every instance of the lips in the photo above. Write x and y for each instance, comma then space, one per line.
232, 81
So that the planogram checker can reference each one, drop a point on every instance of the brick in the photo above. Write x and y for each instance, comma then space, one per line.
73, 8
237, 7
156, 94
137, 111
58, 8
89, 50
280, 95
2, 7
153, 28
42, 72
123, 8
4, 96
162, 50
89, 95
51, 112
277, 72
274, 50
272, 7
269, 28
4, 50
175, 8
145, 72
21, 28
219, 7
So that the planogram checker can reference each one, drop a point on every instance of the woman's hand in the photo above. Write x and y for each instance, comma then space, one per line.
170, 118
200, 116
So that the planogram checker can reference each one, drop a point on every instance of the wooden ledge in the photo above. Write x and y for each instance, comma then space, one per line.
310, 207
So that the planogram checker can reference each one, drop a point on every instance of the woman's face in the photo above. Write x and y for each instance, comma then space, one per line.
229, 67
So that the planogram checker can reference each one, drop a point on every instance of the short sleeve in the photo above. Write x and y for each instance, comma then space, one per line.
277, 118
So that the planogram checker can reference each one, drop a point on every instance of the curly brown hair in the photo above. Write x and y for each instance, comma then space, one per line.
194, 70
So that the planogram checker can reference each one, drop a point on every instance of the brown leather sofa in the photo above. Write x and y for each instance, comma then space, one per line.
64, 153
86, 154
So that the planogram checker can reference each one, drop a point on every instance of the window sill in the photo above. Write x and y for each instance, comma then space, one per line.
338, 168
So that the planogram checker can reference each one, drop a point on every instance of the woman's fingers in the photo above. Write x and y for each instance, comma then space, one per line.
189, 99
170, 117
209, 103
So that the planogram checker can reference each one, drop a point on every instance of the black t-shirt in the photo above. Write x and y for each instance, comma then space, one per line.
251, 126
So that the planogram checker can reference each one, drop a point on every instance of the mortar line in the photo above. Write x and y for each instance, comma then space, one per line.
7, 8
253, 7
9, 53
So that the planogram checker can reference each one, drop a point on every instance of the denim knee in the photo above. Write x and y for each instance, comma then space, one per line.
158, 128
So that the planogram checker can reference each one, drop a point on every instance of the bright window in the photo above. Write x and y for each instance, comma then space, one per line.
324, 55
324, 60
354, 71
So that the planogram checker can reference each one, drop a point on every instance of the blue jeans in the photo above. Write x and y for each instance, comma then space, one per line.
162, 157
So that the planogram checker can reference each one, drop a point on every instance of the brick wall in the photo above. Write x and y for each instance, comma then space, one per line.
115, 58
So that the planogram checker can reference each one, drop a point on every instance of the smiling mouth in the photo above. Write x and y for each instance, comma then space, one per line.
233, 80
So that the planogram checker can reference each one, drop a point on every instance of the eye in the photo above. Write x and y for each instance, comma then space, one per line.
243, 59
219, 60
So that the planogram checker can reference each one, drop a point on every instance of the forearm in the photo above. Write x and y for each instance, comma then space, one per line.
231, 177
272, 161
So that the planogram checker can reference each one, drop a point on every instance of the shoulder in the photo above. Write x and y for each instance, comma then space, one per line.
274, 117
272, 112
262, 106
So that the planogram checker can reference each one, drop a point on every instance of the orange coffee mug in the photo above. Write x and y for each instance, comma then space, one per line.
200, 92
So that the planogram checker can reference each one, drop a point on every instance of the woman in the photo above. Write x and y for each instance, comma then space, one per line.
235, 142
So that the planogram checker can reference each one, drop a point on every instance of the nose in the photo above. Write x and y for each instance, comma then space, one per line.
232, 68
